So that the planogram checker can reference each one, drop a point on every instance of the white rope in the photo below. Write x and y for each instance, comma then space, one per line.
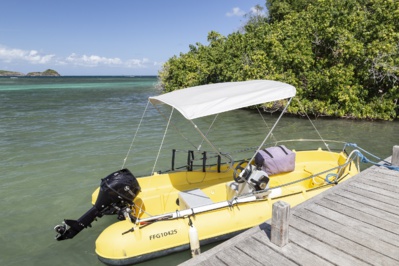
134, 137
175, 127
264, 121
318, 133
209, 142
209, 129
270, 132
141, 210
163, 138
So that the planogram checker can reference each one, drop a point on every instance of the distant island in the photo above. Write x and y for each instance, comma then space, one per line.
47, 73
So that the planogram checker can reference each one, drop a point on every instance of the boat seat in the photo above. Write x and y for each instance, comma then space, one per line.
193, 198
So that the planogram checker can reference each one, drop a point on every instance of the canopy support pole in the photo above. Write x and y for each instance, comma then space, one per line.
163, 139
134, 137
209, 142
271, 130
209, 129
174, 126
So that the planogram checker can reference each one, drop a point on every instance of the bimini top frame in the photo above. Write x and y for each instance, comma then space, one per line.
205, 100
211, 99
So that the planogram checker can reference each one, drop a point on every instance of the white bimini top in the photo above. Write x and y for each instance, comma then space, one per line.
217, 98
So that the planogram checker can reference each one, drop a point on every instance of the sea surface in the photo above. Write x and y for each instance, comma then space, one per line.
60, 136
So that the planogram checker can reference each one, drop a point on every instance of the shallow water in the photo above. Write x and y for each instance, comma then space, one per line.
60, 136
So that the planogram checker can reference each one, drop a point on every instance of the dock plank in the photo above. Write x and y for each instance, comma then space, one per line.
356, 244
234, 256
262, 253
379, 183
327, 253
295, 252
384, 171
393, 196
348, 212
384, 177
212, 261
367, 205
209, 254
376, 196
347, 217
354, 223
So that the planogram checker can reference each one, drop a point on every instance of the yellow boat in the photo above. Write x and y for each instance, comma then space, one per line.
184, 209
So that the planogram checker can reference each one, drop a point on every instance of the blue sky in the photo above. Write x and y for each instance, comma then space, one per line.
109, 37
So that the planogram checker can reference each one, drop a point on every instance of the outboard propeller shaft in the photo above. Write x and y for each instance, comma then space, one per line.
117, 192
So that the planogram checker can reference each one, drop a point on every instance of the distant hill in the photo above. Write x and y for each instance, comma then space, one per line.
10, 73
47, 73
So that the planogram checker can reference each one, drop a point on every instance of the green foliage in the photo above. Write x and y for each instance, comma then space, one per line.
342, 56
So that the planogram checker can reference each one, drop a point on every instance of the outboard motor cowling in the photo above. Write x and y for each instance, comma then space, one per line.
117, 192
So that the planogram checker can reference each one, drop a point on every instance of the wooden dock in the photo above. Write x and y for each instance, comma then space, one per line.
354, 223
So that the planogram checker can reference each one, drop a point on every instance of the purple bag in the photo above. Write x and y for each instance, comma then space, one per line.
275, 160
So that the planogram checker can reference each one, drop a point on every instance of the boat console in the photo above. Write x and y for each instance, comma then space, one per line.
248, 179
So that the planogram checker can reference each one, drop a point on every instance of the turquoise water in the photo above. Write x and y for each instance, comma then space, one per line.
60, 136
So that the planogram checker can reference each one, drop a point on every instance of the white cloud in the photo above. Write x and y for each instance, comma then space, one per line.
236, 12
137, 62
25, 57
157, 63
9, 55
95, 60
92, 60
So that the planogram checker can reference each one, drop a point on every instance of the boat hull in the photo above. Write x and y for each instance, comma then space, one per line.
160, 239
125, 243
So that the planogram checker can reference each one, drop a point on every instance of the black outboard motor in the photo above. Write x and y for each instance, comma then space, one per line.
117, 192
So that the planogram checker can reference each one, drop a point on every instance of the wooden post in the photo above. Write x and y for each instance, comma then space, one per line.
395, 155
280, 223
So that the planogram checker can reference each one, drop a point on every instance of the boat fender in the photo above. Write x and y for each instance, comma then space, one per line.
194, 240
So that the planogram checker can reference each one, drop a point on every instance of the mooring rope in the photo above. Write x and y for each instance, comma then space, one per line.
355, 154
364, 159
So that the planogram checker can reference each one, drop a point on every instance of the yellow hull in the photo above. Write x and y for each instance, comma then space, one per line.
125, 242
